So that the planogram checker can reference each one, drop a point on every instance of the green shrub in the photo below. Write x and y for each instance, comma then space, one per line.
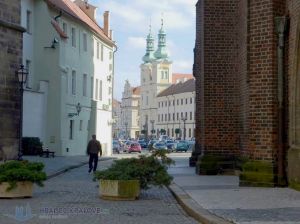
31, 146
149, 170
14, 171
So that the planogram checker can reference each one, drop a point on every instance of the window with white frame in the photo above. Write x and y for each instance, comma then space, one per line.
84, 42
84, 84
74, 82
100, 90
98, 49
73, 35
28, 21
71, 130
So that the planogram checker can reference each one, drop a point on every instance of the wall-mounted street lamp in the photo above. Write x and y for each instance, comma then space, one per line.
184, 120
22, 74
78, 109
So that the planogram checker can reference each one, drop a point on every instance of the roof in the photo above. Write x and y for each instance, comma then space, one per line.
70, 8
136, 90
181, 87
181, 76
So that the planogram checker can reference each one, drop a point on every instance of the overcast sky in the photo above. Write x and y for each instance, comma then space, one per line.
130, 21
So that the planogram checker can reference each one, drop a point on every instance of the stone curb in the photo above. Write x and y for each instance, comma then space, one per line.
67, 168
193, 209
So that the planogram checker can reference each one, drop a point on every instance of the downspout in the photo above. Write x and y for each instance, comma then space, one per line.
281, 26
112, 81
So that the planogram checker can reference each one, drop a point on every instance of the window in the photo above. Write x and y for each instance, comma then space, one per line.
165, 103
28, 21
162, 74
84, 84
177, 101
84, 42
110, 55
186, 101
98, 48
109, 90
169, 117
181, 101
181, 115
166, 75
162, 117
166, 117
147, 100
177, 116
80, 125
158, 118
173, 116
65, 28
173, 102
92, 87
110, 67
96, 90
71, 129
158, 104
100, 90
169, 103
29, 76
190, 132
73, 37
101, 52
191, 100
186, 116
73, 82
191, 115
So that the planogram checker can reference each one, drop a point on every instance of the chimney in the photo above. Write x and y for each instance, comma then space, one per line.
87, 8
106, 27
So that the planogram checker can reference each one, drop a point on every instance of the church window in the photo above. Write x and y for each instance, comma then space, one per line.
166, 75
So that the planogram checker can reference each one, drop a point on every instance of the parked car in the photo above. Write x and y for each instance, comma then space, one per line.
163, 137
116, 147
171, 145
150, 144
126, 146
143, 143
134, 147
181, 146
160, 146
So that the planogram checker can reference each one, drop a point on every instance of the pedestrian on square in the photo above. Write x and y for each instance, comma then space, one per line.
93, 150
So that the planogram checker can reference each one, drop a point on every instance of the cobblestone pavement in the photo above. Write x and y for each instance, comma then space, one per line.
74, 193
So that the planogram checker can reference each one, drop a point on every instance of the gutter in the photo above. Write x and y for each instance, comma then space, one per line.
281, 24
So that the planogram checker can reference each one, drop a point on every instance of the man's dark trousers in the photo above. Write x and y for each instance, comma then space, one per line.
93, 158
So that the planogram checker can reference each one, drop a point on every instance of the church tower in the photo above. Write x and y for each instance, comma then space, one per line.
156, 75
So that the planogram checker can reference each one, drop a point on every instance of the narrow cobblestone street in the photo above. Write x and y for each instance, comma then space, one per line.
75, 191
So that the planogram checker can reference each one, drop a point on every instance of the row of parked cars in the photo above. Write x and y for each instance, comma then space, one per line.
152, 145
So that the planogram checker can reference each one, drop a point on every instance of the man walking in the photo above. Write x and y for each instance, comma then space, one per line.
93, 149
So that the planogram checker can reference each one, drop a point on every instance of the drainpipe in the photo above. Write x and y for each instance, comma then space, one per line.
112, 81
281, 26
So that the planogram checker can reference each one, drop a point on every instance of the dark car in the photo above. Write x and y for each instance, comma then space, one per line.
159, 146
181, 146
143, 143
134, 147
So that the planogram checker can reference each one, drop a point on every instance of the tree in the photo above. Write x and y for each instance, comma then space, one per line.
162, 131
177, 131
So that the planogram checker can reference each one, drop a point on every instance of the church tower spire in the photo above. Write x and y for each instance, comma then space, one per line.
161, 52
149, 56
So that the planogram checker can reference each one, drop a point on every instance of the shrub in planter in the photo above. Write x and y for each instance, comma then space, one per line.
147, 170
31, 146
13, 173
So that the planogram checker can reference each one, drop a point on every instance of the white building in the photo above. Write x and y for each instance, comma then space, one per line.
176, 110
70, 58
130, 117
156, 75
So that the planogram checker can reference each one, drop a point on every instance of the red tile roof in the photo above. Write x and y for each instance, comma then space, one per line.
177, 76
181, 87
70, 8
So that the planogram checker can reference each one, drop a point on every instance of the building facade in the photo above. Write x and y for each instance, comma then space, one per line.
176, 110
130, 114
70, 89
156, 75
247, 96
11, 34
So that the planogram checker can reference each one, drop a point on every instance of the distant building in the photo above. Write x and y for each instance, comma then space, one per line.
176, 110
11, 34
130, 117
116, 127
156, 75
69, 92
179, 77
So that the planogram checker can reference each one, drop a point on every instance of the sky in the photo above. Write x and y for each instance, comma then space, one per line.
130, 20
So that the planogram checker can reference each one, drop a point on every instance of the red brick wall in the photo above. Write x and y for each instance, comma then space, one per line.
216, 76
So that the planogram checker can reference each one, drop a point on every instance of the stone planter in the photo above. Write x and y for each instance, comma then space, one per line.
23, 189
119, 189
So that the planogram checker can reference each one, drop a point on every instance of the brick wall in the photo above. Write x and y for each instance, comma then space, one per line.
10, 58
216, 76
